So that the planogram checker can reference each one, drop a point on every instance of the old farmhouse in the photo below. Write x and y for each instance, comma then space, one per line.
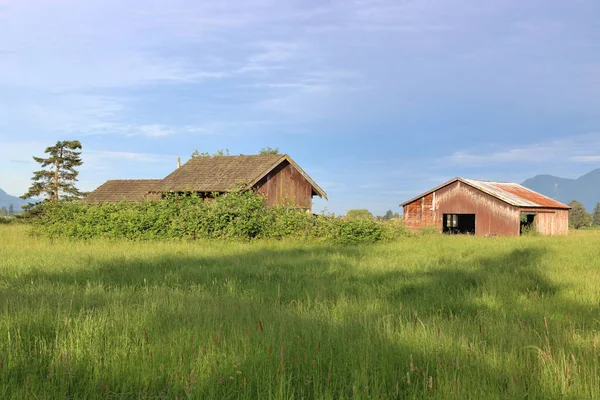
276, 176
485, 208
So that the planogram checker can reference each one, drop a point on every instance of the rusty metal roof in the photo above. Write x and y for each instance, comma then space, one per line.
511, 193
515, 194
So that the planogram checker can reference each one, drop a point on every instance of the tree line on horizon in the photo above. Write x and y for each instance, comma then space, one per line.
7, 212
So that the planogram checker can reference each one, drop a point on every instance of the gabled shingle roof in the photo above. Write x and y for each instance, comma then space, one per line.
225, 173
113, 191
511, 193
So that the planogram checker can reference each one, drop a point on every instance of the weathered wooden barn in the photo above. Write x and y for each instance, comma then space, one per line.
485, 209
276, 176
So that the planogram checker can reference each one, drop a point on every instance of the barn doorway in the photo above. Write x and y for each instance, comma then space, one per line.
459, 223
527, 222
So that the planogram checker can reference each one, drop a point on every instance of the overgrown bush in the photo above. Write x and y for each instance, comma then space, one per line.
239, 215
6, 220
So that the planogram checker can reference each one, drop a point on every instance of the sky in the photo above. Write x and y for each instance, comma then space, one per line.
377, 100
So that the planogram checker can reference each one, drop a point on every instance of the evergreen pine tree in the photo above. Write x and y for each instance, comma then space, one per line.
11, 210
58, 175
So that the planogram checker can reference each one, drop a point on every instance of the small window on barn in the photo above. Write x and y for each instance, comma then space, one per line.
451, 220
459, 223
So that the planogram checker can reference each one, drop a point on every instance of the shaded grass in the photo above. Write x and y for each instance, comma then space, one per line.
424, 317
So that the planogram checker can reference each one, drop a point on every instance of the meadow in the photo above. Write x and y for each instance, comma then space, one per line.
424, 316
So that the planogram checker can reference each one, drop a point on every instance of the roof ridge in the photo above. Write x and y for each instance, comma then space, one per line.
496, 189
483, 180
130, 180
223, 173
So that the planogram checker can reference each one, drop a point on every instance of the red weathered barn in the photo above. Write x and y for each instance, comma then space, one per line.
485, 208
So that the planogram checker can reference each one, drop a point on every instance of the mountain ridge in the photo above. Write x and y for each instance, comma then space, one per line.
585, 189
6, 200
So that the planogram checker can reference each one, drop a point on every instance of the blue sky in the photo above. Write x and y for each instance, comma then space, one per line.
377, 100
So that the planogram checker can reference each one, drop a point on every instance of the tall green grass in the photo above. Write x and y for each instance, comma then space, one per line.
423, 317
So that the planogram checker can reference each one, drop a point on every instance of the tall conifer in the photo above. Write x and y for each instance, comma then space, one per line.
56, 180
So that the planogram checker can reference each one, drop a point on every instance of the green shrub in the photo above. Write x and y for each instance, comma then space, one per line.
285, 222
359, 213
357, 230
6, 220
239, 215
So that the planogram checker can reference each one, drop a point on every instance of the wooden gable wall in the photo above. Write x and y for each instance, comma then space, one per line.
284, 185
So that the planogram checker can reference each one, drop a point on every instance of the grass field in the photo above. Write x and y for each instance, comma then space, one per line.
423, 317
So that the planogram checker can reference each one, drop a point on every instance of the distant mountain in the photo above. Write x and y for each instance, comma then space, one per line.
585, 189
6, 200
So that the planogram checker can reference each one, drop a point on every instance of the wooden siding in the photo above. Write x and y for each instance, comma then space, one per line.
420, 213
552, 222
492, 216
284, 185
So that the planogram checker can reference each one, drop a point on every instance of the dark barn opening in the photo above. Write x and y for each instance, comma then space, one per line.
459, 223
527, 220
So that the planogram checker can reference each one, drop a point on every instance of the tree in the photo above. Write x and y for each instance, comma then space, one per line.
389, 215
3, 212
269, 150
221, 152
596, 215
58, 175
359, 214
11, 210
578, 216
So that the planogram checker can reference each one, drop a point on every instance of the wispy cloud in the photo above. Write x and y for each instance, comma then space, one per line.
96, 71
274, 52
585, 159
94, 156
577, 148
147, 130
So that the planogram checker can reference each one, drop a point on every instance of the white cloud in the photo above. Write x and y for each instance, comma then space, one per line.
96, 156
569, 149
156, 130
586, 159
147, 130
91, 70
274, 52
